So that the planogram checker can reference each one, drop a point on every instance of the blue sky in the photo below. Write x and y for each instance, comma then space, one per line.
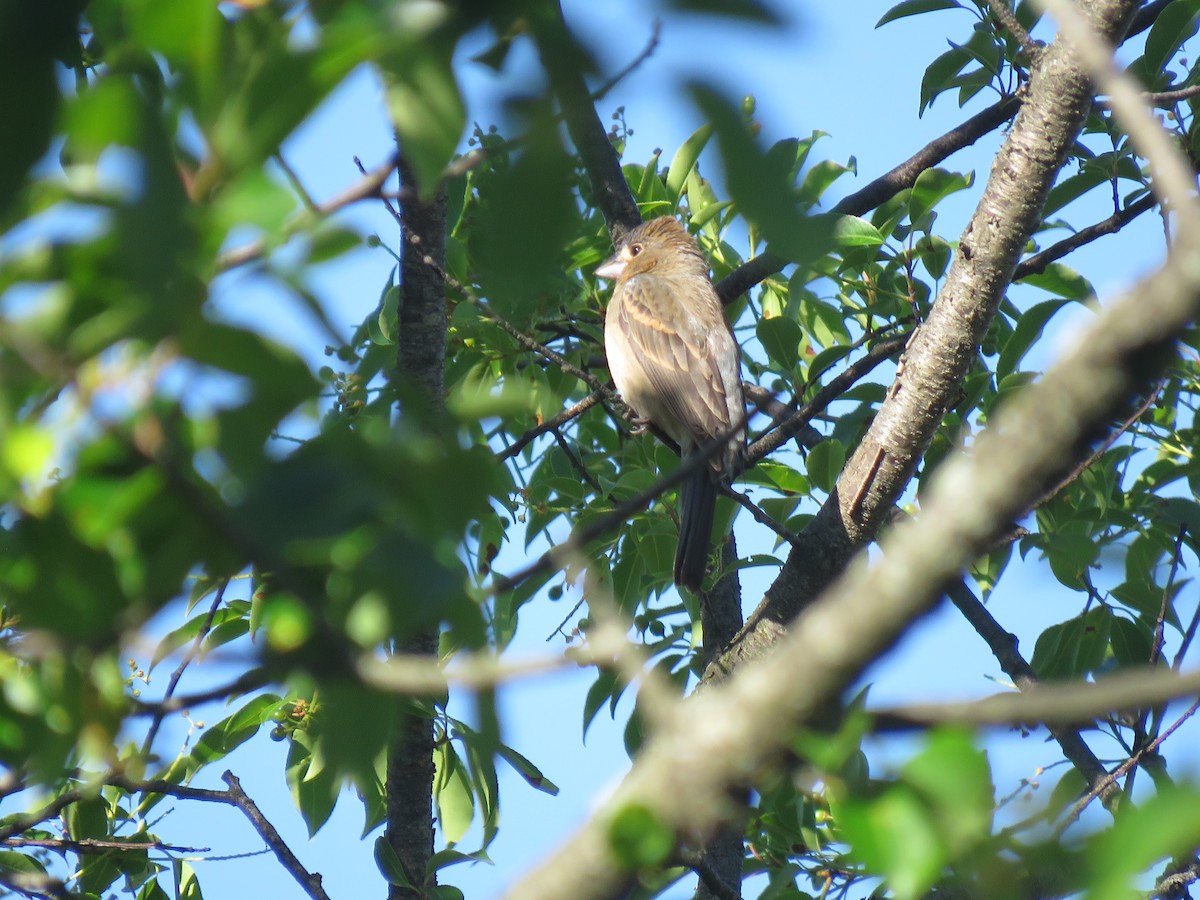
826, 69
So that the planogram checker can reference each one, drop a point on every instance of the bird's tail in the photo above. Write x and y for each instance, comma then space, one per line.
697, 506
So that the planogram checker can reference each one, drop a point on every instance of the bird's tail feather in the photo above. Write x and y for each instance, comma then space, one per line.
697, 506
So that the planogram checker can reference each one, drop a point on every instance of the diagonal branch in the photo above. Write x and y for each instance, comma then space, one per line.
683, 774
936, 360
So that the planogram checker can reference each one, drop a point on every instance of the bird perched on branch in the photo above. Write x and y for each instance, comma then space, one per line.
674, 359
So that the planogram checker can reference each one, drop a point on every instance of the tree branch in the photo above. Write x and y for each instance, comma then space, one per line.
683, 773
937, 358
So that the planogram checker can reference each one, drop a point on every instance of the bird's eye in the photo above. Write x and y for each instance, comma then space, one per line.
635, 249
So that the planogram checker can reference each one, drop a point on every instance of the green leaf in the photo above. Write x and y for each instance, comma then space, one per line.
825, 463
389, 864
1062, 280
1131, 642
781, 338
233, 731
932, 187
527, 770
685, 159
939, 75
895, 835
851, 231
1028, 330
1073, 648
1172, 27
314, 787
452, 793
915, 8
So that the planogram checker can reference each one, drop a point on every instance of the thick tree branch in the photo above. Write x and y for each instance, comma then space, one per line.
725, 733
1004, 647
930, 373
421, 362
561, 56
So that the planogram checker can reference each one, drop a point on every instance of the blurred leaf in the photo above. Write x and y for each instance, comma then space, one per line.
762, 184
521, 230
426, 111
452, 793
638, 838
1161, 827
33, 37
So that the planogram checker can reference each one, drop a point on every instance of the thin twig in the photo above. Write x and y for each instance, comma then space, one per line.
838, 385
552, 424
244, 683
647, 52
368, 187
1134, 760
761, 516
559, 554
310, 882
1004, 647
1037, 263
1005, 16
193, 652
96, 845
1083, 465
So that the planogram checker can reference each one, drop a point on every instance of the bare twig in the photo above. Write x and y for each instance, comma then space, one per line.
1069, 703
1083, 802
247, 681
1004, 647
552, 424
647, 52
192, 653
837, 386
1005, 16
96, 845
310, 882
1037, 263
761, 516
368, 187
1070, 477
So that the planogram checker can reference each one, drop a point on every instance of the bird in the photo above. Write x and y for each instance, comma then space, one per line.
676, 364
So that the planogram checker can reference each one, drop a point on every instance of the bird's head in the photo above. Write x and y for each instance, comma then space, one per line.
662, 244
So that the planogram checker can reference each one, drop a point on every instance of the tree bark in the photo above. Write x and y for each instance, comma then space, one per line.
421, 357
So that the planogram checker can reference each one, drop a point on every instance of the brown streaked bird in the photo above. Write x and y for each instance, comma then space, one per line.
674, 359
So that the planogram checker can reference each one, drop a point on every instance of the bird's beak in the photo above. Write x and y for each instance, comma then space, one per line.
612, 268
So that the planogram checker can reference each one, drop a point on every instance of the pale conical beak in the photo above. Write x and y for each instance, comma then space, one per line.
611, 268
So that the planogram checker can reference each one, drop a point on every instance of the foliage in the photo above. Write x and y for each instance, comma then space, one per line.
159, 459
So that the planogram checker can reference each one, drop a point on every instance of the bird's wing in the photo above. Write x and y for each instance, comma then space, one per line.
677, 345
